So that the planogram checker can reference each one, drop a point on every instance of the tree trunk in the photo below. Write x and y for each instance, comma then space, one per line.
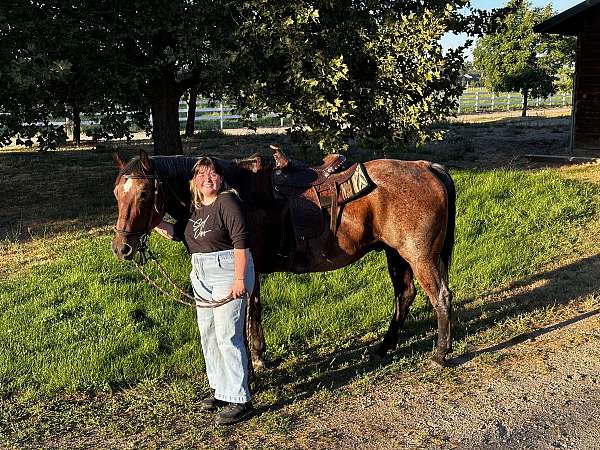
525, 96
164, 100
76, 125
191, 114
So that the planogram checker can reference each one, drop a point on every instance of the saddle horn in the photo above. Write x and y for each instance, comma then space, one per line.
281, 160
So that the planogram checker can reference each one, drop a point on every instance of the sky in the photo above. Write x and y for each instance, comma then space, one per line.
454, 40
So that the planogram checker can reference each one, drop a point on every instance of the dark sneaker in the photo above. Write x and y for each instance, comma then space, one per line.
211, 403
233, 413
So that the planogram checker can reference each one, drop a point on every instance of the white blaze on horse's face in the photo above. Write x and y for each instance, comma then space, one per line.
128, 185
130, 196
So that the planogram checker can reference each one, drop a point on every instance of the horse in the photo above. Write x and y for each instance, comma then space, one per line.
407, 210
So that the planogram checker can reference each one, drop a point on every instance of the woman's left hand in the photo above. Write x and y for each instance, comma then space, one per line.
238, 289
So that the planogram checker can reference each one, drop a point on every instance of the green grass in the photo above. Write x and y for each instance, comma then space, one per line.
510, 222
82, 321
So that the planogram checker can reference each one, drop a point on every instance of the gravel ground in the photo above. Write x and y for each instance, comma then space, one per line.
543, 393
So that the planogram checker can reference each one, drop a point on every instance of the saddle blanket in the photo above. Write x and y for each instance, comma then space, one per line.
356, 185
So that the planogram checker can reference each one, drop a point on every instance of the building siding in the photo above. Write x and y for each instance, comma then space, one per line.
587, 97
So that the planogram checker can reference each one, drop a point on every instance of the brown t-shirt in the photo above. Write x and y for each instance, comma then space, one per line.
218, 226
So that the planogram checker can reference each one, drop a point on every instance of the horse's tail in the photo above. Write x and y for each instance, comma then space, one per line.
442, 173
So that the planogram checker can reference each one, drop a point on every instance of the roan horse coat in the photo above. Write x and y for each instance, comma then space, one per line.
409, 213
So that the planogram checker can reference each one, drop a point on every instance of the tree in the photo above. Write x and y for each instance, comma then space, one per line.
514, 58
114, 57
344, 69
52, 66
368, 70
191, 113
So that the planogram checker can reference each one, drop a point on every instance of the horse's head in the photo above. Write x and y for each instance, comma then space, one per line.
140, 202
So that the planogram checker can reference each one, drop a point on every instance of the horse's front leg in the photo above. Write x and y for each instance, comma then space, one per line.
254, 331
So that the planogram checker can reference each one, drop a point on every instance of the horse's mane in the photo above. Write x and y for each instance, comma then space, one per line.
177, 167
165, 167
174, 167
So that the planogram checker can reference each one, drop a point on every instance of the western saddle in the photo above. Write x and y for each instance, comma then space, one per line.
311, 193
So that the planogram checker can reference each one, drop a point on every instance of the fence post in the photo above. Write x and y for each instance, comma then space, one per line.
508, 101
476, 101
564, 99
493, 98
281, 121
459, 100
221, 113
550, 101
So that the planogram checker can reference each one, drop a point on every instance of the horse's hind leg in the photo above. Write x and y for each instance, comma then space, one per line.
404, 295
433, 278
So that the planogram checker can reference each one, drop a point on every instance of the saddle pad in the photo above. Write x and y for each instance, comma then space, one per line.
356, 185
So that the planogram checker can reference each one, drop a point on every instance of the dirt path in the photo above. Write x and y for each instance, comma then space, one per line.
543, 394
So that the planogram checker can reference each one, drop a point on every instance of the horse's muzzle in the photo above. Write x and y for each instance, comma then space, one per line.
122, 250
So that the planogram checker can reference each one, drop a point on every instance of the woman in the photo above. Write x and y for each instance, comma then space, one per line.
217, 237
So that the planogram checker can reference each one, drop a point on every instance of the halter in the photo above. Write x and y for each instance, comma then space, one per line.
146, 254
145, 234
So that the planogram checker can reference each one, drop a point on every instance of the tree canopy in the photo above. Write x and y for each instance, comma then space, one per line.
107, 57
342, 69
515, 58
368, 70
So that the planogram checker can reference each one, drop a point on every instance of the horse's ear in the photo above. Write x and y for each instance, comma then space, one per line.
281, 160
145, 161
117, 159
258, 163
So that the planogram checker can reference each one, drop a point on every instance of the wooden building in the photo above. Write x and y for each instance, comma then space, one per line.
583, 21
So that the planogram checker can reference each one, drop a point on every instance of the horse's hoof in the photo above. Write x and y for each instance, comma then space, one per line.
258, 365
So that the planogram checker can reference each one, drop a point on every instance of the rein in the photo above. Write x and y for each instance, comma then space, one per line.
147, 255
199, 302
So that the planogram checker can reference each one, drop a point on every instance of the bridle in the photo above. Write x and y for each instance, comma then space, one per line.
147, 255
144, 234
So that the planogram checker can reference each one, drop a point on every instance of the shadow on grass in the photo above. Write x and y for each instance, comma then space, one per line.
456, 362
336, 369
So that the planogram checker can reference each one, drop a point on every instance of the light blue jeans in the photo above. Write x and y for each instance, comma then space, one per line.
222, 328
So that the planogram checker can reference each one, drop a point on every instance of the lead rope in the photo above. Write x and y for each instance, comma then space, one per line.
199, 302
146, 255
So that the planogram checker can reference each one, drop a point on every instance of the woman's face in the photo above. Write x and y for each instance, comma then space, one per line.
208, 181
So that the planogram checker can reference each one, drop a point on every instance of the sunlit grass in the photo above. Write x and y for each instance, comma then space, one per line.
83, 321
